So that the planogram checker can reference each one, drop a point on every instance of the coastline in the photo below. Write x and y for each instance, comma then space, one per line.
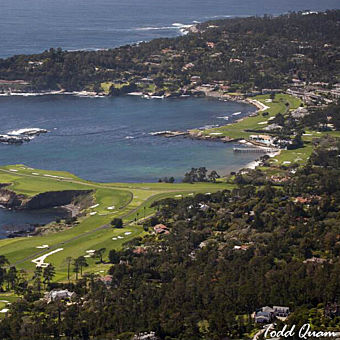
190, 133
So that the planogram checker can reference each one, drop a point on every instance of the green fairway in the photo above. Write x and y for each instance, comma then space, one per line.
282, 103
129, 201
6, 299
297, 156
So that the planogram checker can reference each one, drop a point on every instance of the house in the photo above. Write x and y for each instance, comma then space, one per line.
145, 336
281, 311
332, 310
161, 229
272, 127
224, 88
139, 250
263, 139
195, 79
262, 318
267, 314
166, 50
107, 280
188, 66
278, 179
203, 206
54, 295
235, 60
264, 315
243, 247
271, 91
268, 309
316, 260
302, 200
146, 81
300, 112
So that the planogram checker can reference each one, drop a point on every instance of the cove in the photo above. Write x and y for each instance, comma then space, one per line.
108, 139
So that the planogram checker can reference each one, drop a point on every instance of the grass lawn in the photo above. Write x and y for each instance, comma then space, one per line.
5, 300
298, 156
106, 86
237, 130
129, 201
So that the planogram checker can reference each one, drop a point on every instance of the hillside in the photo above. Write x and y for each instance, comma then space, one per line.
244, 54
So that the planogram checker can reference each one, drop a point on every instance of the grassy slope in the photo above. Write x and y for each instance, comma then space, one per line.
130, 201
237, 130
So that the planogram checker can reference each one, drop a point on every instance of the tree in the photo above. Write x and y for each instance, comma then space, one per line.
76, 267
11, 277
99, 254
79, 264
114, 257
69, 261
213, 176
202, 174
3, 263
48, 273
117, 223
37, 279
21, 282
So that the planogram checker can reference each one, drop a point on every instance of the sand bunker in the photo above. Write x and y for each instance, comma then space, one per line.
40, 260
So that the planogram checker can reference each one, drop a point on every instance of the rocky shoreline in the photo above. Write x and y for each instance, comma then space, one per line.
21, 136
69, 202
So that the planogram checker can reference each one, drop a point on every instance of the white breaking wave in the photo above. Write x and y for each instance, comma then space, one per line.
154, 28
27, 131
179, 25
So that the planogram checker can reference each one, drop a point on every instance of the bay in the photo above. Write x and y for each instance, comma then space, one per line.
108, 139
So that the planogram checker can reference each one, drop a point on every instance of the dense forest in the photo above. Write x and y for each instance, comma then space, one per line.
243, 53
224, 255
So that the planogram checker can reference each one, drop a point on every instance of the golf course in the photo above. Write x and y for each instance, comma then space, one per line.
130, 202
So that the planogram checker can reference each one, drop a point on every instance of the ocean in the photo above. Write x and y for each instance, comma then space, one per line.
32, 26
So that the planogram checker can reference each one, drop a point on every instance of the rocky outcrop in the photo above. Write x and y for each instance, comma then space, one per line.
7, 139
3, 185
51, 199
9, 199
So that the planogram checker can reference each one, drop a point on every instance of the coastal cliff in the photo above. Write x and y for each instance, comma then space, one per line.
11, 200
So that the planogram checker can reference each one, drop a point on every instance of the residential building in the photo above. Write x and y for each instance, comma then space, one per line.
59, 295
161, 229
